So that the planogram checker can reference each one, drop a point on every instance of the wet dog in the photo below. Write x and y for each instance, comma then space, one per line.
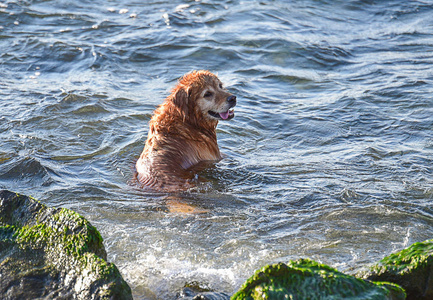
182, 132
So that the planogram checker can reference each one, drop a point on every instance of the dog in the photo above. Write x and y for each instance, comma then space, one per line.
182, 132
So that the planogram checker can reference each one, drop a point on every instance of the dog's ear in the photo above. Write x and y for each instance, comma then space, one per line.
181, 99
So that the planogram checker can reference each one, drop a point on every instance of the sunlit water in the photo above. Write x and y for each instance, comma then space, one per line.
329, 155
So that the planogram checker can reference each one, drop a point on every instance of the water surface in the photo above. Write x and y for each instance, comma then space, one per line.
329, 156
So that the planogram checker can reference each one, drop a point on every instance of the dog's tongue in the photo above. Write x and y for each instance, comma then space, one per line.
225, 115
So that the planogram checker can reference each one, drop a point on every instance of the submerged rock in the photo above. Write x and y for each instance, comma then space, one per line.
306, 279
411, 268
52, 253
190, 293
195, 291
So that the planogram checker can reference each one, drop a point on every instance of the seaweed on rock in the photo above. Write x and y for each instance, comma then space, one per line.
411, 268
307, 279
52, 253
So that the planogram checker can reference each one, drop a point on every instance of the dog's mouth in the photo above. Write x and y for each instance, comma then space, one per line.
222, 115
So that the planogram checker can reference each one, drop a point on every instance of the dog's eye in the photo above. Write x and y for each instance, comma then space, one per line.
208, 94
221, 85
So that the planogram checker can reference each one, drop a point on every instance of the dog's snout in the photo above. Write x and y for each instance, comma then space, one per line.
231, 99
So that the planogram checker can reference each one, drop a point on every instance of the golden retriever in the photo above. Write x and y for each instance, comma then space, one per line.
182, 132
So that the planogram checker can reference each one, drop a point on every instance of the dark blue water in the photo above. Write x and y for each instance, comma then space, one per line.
329, 155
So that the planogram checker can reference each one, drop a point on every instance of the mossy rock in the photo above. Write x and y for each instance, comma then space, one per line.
52, 253
411, 268
307, 279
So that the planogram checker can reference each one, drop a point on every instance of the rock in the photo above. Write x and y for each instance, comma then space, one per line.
411, 268
52, 253
192, 294
306, 279
193, 291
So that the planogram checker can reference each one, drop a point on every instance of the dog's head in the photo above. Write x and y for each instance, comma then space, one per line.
201, 96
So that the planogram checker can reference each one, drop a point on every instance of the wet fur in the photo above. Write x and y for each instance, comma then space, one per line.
182, 133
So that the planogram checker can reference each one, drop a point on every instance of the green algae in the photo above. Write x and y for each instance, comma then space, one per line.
7, 232
307, 279
410, 268
414, 257
54, 245
55, 232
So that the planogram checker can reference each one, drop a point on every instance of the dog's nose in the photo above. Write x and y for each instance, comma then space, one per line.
231, 99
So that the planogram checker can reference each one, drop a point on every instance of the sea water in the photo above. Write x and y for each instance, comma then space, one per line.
329, 155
